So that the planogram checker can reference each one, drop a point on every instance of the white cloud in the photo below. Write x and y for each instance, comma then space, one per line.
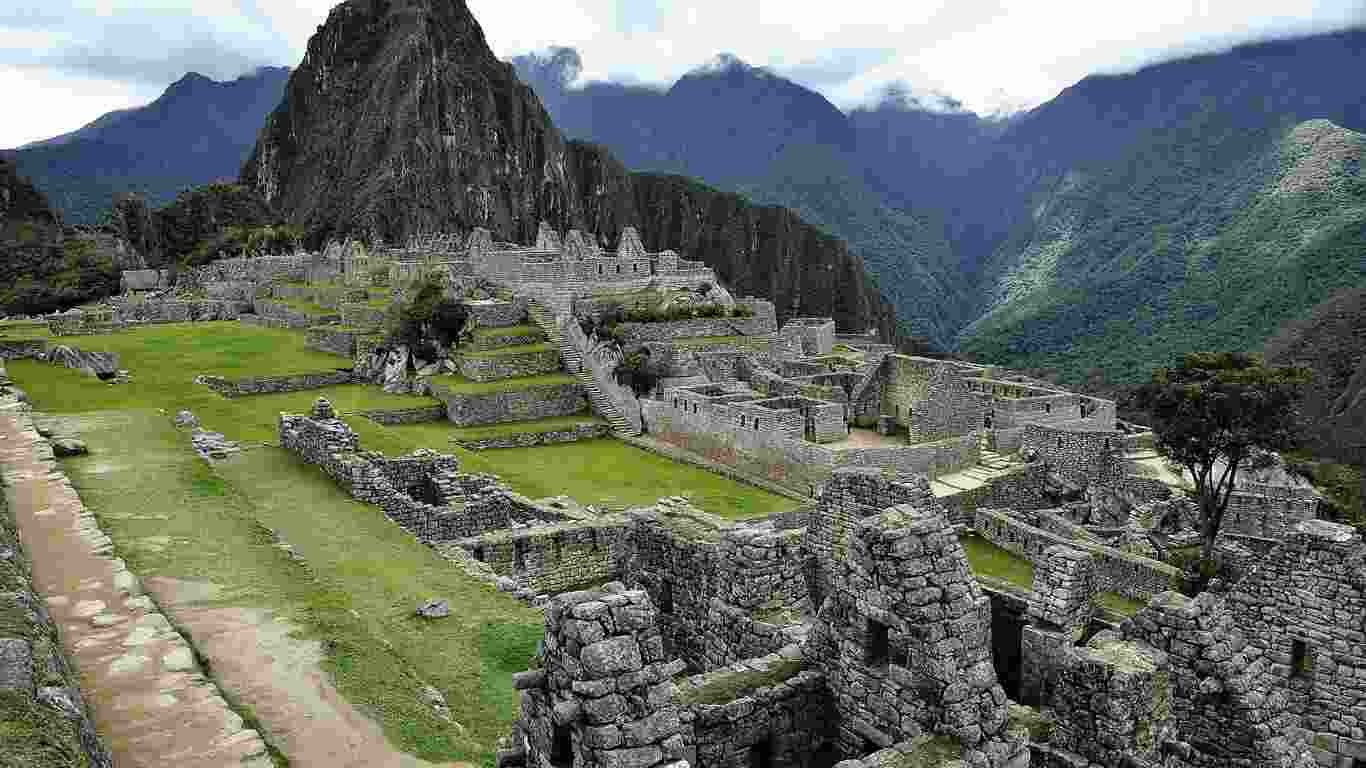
74, 59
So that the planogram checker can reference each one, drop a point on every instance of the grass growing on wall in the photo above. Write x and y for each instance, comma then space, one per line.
1117, 603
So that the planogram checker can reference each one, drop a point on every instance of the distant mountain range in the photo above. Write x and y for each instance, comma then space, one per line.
1199, 203
199, 130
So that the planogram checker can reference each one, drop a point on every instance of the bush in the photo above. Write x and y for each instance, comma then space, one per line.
427, 318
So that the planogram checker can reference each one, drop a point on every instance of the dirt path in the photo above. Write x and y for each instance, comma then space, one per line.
253, 655
152, 704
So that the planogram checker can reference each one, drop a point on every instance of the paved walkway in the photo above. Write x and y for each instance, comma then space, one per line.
152, 704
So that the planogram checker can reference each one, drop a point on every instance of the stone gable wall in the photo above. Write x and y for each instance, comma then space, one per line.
1083, 457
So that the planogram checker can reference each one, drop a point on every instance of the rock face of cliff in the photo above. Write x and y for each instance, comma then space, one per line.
400, 120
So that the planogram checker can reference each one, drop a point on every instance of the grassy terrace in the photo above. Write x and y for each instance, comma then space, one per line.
172, 515
507, 330
987, 559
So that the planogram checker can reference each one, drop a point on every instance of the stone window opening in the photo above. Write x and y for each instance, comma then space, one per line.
879, 644
561, 747
557, 546
1060, 443
479, 554
599, 269
761, 755
666, 596
1047, 407
1301, 663
618, 269
518, 555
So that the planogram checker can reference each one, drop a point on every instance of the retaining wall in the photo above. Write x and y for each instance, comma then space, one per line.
269, 385
542, 402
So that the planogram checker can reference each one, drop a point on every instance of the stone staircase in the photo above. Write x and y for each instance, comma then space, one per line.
573, 362
990, 465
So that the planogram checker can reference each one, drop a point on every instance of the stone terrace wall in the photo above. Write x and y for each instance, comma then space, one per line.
698, 327
359, 315
497, 314
420, 415
787, 722
331, 340
543, 402
257, 270
555, 558
1130, 575
484, 367
733, 635
586, 431
269, 385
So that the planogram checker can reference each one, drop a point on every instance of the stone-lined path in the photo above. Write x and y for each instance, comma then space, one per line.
152, 704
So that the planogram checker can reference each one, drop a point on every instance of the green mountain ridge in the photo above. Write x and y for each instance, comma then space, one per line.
1245, 230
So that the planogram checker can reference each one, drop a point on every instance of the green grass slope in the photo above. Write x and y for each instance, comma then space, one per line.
1205, 238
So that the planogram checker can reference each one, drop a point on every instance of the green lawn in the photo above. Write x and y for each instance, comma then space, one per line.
987, 559
485, 332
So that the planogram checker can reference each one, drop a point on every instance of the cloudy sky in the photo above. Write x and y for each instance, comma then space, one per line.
65, 62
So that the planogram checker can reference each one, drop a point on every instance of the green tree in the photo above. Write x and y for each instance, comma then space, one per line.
1215, 414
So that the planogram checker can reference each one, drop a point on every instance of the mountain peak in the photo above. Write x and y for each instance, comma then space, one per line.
727, 63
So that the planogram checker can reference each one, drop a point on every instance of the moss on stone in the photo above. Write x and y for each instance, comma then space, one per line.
33, 735
925, 752
987, 559
728, 686
775, 612
690, 527
1035, 723
1117, 603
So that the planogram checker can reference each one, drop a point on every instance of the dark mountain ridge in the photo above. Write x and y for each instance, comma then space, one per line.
199, 130
400, 120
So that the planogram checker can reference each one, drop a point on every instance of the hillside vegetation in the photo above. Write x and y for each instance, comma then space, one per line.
1208, 241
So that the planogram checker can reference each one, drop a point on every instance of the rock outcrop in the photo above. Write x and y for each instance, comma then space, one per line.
400, 119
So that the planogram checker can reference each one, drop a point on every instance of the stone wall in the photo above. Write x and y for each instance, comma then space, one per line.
933, 459
1130, 575
905, 642
585, 431
21, 349
785, 723
467, 409
849, 496
361, 315
256, 270
290, 317
603, 696
142, 280
422, 492
1021, 489
1111, 704
1268, 513
811, 335
332, 340
698, 327
497, 314
555, 558
508, 364
1082, 457
269, 385
1281, 656
419, 415
673, 553
931, 399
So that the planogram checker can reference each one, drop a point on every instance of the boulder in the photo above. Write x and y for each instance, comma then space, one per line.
394, 378
186, 419
16, 666
104, 365
434, 609
68, 446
